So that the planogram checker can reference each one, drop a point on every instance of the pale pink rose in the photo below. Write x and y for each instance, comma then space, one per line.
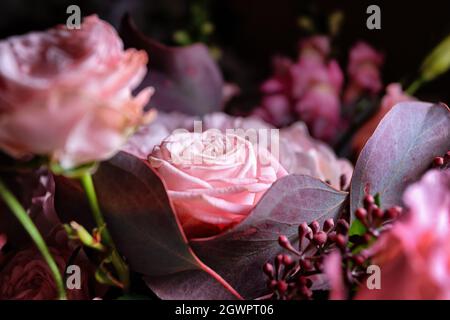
364, 71
213, 180
26, 275
67, 93
301, 154
414, 256
394, 94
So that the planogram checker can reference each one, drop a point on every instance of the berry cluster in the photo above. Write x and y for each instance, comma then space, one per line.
292, 275
442, 162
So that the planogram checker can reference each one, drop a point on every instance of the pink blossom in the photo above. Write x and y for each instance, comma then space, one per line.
414, 256
67, 93
364, 71
308, 90
213, 180
315, 48
317, 88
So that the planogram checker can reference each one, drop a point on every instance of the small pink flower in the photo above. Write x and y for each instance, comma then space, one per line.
214, 180
394, 94
276, 110
315, 48
317, 88
364, 71
67, 93
414, 256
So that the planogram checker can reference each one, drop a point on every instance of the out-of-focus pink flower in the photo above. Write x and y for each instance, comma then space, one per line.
276, 105
394, 95
67, 93
213, 180
315, 48
229, 91
301, 154
309, 89
276, 110
333, 271
364, 71
414, 256
26, 276
317, 88
2, 240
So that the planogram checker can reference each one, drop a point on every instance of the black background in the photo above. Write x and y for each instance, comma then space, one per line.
250, 32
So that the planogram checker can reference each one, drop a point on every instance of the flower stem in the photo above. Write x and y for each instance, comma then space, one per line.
117, 261
34, 234
415, 86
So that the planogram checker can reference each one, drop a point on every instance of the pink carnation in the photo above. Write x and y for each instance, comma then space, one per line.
414, 256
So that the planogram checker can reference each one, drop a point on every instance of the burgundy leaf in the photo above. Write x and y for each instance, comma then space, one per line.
239, 254
400, 150
139, 216
34, 190
186, 79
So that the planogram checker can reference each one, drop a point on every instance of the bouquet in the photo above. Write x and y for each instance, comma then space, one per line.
122, 176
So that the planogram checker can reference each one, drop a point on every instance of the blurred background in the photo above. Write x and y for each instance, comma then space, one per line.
245, 34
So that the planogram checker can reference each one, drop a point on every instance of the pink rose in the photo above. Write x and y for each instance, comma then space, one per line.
301, 154
394, 95
364, 71
67, 93
414, 256
26, 276
214, 180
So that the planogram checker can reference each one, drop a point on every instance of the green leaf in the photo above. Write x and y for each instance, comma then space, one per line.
357, 228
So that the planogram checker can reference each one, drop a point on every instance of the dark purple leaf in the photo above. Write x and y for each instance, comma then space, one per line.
139, 216
34, 190
239, 254
186, 79
400, 150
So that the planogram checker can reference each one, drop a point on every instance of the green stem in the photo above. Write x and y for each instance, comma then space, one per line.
34, 234
415, 86
116, 259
